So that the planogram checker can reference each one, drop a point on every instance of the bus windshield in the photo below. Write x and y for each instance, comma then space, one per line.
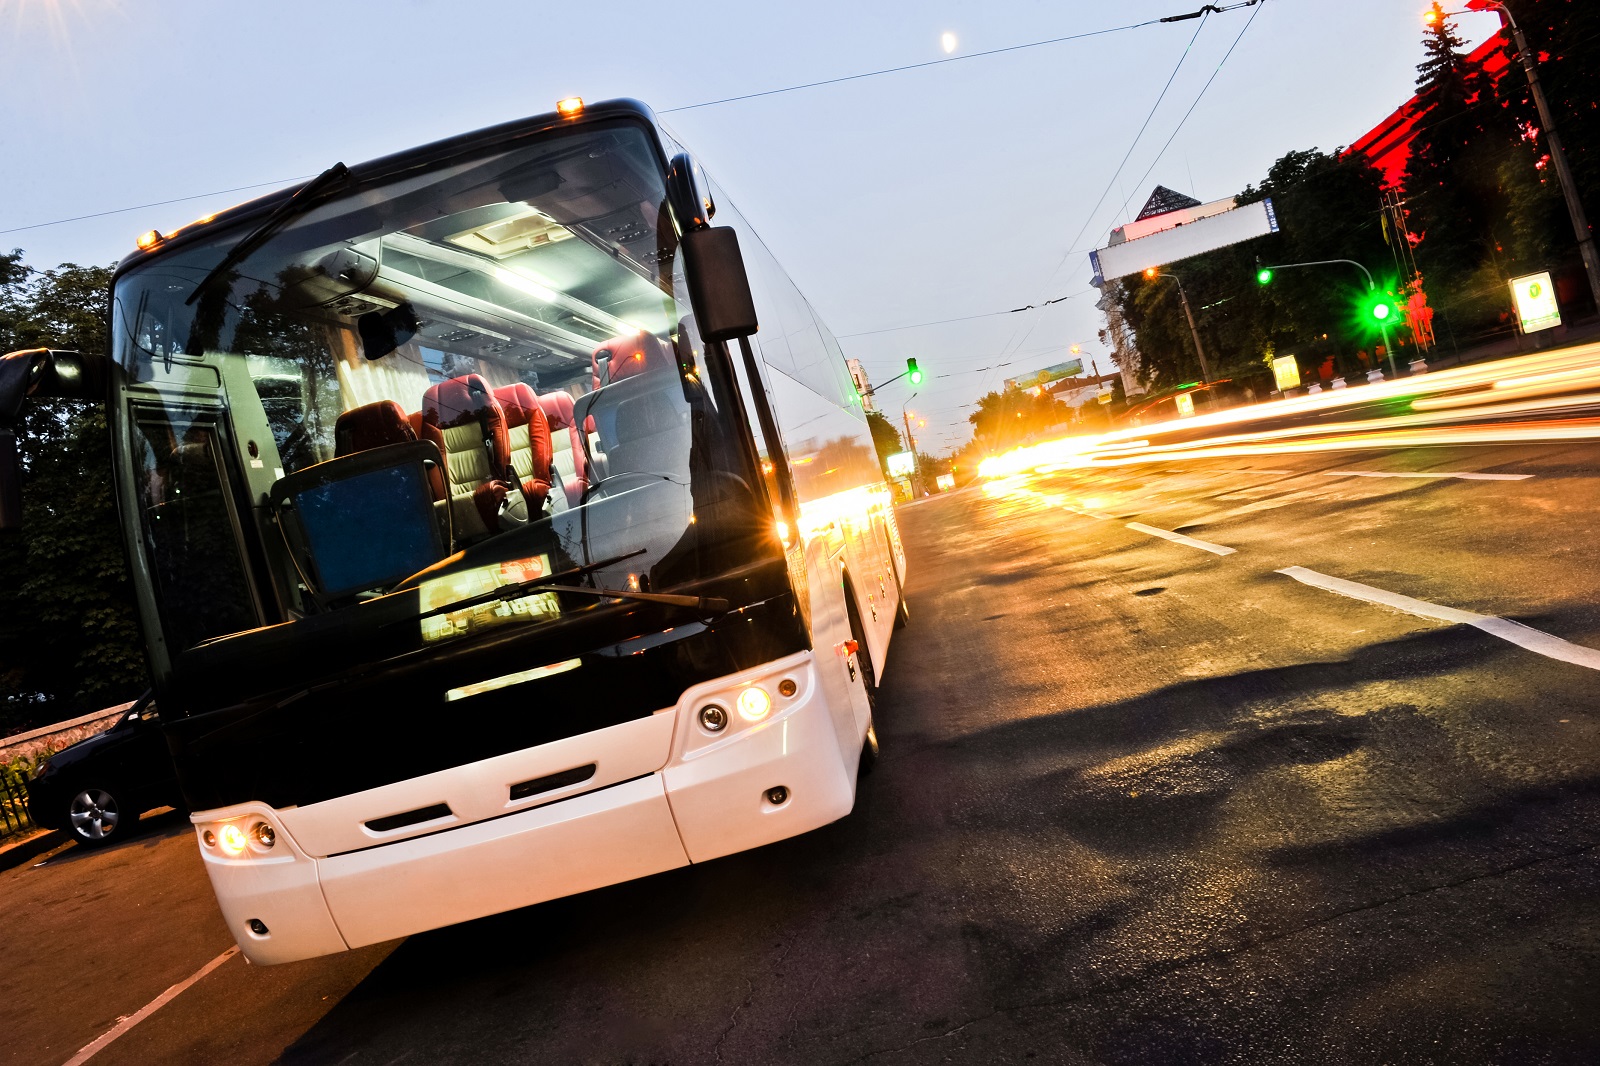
422, 402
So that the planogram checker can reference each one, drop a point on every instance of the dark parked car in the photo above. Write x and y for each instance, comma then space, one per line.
97, 788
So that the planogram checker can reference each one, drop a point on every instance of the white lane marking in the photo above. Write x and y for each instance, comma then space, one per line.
1086, 514
92, 1049
1525, 637
1463, 477
1179, 538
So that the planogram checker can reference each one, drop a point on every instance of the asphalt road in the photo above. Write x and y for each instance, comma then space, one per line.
1138, 803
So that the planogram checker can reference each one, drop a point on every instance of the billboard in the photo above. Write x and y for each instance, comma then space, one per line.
946, 482
902, 464
1180, 242
1535, 296
1070, 369
1286, 372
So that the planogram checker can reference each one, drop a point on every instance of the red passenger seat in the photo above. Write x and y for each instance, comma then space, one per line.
375, 425
463, 418
529, 435
568, 464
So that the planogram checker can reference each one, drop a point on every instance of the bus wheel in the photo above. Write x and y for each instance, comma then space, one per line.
869, 751
869, 676
902, 614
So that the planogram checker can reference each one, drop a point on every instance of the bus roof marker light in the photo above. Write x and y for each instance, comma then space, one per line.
148, 239
571, 107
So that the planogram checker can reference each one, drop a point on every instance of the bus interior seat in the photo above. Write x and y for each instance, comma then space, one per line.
650, 433
568, 467
463, 418
628, 355
528, 432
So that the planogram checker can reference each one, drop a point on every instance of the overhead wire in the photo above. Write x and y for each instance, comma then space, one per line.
915, 66
1206, 9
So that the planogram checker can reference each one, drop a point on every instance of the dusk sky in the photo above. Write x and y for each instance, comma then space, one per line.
954, 190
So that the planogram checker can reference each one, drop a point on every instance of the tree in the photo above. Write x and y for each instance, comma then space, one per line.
69, 642
1455, 199
1009, 416
885, 438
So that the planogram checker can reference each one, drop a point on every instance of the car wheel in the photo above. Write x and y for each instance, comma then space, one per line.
94, 817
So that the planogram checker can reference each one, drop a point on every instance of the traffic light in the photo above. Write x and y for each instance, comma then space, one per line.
914, 372
1264, 276
1379, 309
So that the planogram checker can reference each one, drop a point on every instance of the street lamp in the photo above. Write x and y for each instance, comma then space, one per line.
1205, 371
1558, 155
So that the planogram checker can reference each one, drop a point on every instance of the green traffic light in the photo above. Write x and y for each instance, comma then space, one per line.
1264, 276
914, 372
1381, 311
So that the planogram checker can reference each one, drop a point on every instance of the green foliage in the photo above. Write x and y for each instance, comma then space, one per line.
1328, 207
1010, 416
885, 438
69, 643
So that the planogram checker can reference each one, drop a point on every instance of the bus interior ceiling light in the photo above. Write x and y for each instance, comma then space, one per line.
571, 107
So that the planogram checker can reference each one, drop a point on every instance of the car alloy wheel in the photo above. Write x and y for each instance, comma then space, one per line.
94, 815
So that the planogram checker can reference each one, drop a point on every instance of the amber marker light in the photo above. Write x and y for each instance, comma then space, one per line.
231, 837
148, 240
571, 107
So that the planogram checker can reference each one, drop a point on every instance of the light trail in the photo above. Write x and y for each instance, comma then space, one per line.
1530, 398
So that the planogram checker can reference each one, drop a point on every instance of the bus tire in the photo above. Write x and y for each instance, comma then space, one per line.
902, 613
858, 633
869, 751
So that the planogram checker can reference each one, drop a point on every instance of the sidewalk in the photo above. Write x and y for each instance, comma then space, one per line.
26, 847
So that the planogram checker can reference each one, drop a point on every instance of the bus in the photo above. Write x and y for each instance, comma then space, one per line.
503, 522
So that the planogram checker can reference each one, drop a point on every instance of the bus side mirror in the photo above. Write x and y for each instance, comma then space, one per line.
38, 372
719, 288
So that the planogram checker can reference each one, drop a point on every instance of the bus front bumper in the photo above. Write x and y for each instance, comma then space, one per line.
708, 796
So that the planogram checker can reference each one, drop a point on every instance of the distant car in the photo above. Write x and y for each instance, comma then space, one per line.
97, 788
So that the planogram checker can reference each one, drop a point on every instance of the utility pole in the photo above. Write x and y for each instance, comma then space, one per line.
911, 442
1558, 155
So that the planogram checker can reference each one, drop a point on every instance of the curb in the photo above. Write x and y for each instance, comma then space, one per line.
30, 847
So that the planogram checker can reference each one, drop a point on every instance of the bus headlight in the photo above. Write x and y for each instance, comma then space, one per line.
754, 704
231, 837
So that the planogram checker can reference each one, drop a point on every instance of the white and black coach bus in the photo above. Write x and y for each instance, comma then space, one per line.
484, 550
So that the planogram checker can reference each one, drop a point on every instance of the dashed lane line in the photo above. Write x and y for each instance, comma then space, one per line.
1466, 476
125, 1024
1525, 637
1179, 538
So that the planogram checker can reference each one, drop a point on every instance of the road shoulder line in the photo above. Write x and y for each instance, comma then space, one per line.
98, 1044
1464, 476
1525, 637
1179, 538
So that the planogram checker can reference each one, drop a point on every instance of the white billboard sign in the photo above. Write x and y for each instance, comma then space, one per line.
1535, 296
902, 464
1182, 242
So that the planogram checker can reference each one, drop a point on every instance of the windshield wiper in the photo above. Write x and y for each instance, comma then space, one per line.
709, 604
518, 589
304, 199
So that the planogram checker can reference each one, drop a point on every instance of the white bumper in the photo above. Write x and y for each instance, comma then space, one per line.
664, 793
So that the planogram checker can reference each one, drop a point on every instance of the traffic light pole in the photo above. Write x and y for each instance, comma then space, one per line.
1372, 286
